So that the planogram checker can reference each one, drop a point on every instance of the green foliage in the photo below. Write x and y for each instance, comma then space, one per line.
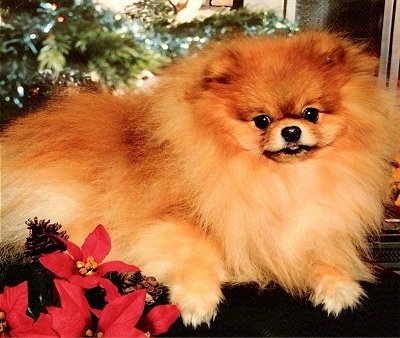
241, 21
152, 14
168, 38
52, 55
43, 43
19, 47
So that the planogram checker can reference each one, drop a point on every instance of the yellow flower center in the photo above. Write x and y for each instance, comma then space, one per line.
90, 333
87, 268
3, 323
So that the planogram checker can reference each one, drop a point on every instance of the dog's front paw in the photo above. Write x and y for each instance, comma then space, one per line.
336, 294
198, 305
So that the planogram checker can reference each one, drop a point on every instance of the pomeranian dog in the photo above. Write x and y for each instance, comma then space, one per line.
260, 160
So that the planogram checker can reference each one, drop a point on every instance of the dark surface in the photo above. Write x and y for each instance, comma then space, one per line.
247, 312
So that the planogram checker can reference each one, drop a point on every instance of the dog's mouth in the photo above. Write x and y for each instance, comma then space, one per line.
294, 149
289, 151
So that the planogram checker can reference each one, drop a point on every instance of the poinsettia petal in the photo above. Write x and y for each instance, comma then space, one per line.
74, 250
72, 297
14, 302
15, 298
74, 317
125, 309
61, 264
118, 266
97, 244
68, 322
40, 328
159, 319
86, 282
18, 321
122, 330
111, 289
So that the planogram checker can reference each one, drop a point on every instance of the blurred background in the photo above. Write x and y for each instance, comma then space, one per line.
48, 46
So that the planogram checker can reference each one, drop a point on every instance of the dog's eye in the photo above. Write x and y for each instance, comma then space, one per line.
311, 114
262, 121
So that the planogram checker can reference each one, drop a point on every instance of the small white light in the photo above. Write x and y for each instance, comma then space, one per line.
20, 91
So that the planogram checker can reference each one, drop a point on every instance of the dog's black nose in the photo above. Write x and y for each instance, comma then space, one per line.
291, 134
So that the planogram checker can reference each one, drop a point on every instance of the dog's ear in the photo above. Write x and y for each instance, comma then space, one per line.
336, 51
328, 49
334, 56
220, 70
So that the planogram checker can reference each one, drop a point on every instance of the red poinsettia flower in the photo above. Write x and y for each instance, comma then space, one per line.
39, 329
73, 317
122, 317
13, 306
159, 319
83, 266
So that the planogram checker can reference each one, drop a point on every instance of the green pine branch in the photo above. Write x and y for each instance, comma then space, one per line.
53, 55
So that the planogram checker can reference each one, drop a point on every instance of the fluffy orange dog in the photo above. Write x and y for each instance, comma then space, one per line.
261, 160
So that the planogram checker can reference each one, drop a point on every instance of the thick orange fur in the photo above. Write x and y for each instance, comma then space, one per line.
195, 194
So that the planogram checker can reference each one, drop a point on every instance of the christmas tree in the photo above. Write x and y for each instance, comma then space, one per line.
71, 43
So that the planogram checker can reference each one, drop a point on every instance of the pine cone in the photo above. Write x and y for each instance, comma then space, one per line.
132, 281
43, 238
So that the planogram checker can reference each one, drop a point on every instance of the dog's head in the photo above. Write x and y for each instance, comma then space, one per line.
279, 97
